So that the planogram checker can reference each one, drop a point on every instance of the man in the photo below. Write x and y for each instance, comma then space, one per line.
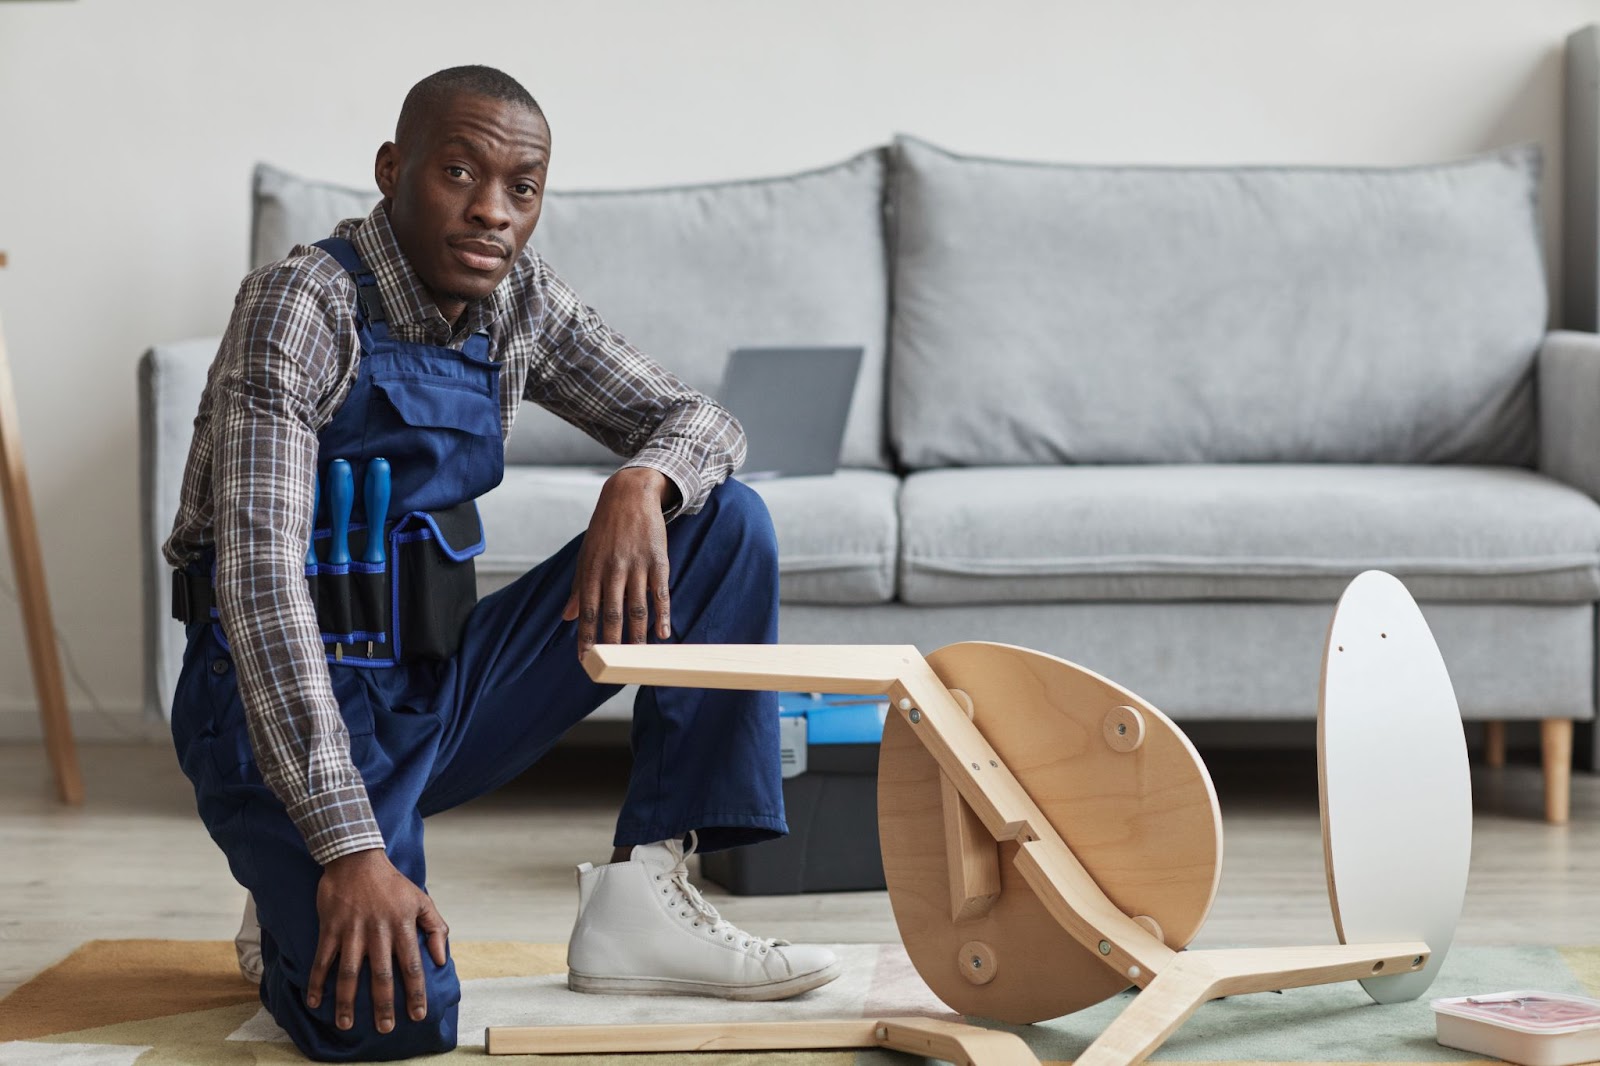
321, 720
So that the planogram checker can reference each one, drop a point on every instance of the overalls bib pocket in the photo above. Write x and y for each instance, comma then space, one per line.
462, 416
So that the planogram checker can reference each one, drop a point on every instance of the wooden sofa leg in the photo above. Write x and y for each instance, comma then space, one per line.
1555, 742
1494, 744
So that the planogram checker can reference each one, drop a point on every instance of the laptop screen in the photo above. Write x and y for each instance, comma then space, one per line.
792, 403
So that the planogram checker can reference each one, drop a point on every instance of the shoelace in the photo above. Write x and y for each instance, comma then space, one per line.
719, 926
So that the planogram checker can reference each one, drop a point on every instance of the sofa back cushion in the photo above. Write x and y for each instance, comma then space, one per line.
687, 274
1104, 314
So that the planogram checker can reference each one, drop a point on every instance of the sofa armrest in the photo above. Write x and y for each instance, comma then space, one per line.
1569, 409
171, 378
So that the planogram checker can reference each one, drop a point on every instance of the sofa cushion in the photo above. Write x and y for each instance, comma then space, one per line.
687, 273
1286, 532
837, 536
1115, 314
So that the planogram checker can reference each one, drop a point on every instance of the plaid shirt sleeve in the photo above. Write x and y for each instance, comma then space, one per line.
588, 374
270, 390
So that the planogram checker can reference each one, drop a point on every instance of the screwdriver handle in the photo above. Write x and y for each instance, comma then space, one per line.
377, 504
341, 497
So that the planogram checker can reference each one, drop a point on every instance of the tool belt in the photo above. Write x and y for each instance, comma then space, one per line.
411, 606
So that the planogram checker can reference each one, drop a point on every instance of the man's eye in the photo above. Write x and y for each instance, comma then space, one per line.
524, 189
456, 172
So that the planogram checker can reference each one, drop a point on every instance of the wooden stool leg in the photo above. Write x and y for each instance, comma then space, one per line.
1155, 1014
1555, 742
36, 622
1494, 744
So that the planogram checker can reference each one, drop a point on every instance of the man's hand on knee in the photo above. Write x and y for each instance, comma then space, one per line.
622, 575
367, 911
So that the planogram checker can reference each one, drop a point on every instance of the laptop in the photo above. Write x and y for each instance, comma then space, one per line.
792, 403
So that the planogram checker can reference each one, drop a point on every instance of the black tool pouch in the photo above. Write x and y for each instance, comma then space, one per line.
436, 579
414, 605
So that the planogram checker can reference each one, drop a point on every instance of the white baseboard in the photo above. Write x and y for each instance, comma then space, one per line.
19, 723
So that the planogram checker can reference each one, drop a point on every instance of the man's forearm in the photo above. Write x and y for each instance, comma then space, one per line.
297, 731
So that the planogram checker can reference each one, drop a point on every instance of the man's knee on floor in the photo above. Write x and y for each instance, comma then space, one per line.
408, 1041
315, 1034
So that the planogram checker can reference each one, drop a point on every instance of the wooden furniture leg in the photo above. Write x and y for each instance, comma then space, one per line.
1197, 977
38, 628
1494, 744
965, 1045
1555, 745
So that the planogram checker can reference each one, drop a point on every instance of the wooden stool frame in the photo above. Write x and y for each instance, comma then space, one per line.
38, 626
1173, 983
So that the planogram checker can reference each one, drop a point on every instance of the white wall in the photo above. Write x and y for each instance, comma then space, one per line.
128, 130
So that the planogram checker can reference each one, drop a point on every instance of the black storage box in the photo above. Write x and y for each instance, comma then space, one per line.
830, 795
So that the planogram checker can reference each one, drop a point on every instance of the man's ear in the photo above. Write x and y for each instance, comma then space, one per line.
386, 168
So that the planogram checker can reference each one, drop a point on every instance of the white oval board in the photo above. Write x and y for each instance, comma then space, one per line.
1396, 790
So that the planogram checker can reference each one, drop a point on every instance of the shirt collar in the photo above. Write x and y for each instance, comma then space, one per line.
405, 298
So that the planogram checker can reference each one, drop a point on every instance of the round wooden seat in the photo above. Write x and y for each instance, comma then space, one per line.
1136, 806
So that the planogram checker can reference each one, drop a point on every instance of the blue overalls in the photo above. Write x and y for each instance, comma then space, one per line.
428, 734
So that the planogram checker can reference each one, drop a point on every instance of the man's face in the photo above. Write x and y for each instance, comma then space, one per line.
464, 194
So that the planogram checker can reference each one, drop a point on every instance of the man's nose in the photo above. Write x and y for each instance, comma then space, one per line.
490, 208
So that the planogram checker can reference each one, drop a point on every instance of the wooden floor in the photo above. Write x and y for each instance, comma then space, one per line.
135, 861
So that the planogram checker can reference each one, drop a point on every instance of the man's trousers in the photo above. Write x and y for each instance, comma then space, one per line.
427, 736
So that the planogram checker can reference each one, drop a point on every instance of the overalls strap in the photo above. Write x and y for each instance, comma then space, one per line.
369, 303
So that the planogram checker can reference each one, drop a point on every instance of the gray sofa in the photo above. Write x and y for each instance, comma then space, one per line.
1151, 419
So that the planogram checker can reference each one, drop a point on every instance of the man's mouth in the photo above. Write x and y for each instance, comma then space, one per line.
485, 256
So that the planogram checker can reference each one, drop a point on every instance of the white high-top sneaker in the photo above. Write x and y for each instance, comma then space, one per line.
247, 945
644, 930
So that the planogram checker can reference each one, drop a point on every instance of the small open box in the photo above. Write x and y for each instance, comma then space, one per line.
1531, 1028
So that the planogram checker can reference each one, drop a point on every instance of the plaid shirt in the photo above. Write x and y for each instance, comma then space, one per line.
285, 365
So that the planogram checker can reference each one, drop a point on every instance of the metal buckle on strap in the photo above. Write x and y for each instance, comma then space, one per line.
371, 302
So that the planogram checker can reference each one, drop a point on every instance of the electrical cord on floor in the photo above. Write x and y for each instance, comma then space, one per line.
71, 664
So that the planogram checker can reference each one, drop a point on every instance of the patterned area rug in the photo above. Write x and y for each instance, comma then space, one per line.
182, 1003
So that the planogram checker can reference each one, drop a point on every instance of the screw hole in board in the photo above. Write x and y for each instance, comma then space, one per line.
1377, 967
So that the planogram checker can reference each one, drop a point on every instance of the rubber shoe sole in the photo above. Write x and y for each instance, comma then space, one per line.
655, 986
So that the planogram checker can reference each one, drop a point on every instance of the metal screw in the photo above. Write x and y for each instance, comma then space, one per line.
1416, 961
993, 763
1105, 947
974, 766
977, 962
1122, 729
916, 716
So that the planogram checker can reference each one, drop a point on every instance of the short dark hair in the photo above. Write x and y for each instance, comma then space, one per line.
429, 94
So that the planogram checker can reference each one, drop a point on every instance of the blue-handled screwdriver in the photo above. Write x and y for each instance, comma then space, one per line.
377, 503
341, 497
376, 498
